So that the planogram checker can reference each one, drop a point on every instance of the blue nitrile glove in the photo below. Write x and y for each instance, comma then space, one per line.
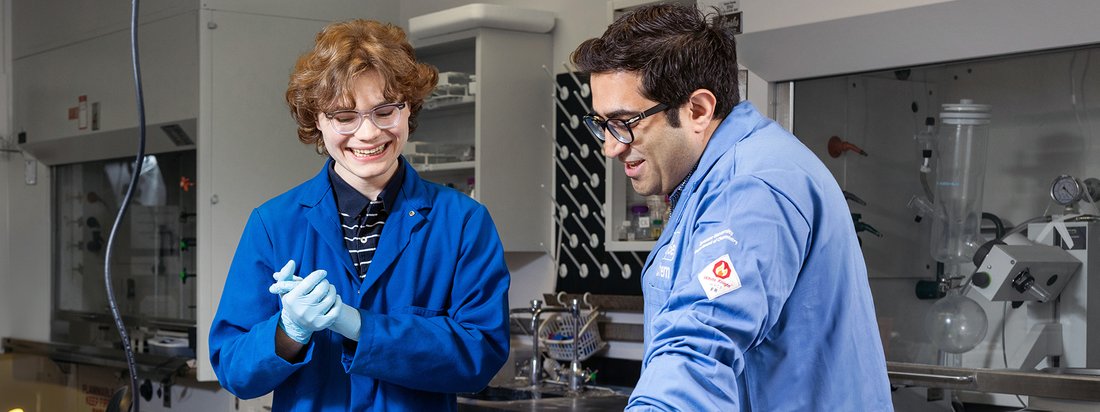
284, 279
347, 323
309, 307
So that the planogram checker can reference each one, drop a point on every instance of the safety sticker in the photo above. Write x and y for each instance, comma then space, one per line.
719, 277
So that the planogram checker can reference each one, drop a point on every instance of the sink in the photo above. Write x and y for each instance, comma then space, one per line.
495, 393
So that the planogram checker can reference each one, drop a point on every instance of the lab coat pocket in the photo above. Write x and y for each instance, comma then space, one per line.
658, 287
422, 311
655, 298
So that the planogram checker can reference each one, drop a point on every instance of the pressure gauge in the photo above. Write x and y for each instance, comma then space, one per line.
1065, 190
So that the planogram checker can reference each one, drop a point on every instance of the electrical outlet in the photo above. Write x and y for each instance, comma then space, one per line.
30, 171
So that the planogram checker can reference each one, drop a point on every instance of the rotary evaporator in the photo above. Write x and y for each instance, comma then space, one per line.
1038, 268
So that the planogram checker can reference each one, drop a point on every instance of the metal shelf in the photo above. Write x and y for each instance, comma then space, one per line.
442, 167
630, 245
147, 364
1049, 385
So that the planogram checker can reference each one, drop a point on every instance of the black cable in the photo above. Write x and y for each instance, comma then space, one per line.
998, 225
138, 164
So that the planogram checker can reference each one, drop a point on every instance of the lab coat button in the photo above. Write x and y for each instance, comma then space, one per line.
411, 213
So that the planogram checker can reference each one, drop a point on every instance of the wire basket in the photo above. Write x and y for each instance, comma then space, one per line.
556, 334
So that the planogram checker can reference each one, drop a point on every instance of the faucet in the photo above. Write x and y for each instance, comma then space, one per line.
576, 374
537, 309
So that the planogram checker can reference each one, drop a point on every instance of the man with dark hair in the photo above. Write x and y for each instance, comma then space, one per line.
756, 294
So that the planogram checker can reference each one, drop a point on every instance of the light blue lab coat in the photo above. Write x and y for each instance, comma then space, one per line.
433, 304
799, 333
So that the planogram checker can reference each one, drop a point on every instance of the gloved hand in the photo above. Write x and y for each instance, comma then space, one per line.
309, 306
284, 280
348, 321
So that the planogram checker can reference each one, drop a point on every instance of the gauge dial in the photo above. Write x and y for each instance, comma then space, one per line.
1065, 190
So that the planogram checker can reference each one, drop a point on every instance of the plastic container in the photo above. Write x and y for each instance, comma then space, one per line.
961, 145
657, 206
626, 231
640, 217
656, 228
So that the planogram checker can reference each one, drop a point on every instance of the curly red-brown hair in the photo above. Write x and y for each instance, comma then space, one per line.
344, 50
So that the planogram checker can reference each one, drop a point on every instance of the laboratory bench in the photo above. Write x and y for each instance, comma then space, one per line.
562, 404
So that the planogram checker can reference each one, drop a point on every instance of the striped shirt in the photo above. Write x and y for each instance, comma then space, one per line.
362, 219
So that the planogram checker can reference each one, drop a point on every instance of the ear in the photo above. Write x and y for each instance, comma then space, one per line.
700, 108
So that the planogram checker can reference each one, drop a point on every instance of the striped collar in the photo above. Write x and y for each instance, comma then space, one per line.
353, 203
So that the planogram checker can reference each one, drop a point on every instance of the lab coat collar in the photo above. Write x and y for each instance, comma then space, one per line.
411, 209
738, 125
409, 214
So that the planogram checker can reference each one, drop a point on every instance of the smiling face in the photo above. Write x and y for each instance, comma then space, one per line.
660, 156
366, 159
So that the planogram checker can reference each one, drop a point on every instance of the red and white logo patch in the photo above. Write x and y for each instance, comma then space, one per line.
721, 269
719, 277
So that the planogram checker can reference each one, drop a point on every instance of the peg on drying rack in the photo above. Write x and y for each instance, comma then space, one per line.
625, 269
585, 91
582, 166
574, 181
575, 202
591, 193
583, 268
583, 104
563, 150
574, 121
593, 239
584, 148
563, 92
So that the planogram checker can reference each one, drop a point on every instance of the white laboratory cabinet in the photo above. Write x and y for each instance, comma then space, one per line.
500, 117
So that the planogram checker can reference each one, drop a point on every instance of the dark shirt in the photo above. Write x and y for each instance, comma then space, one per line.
363, 218
674, 197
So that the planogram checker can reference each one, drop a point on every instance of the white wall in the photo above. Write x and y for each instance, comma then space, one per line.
5, 160
24, 301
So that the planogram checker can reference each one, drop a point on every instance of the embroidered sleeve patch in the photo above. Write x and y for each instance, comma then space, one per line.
719, 277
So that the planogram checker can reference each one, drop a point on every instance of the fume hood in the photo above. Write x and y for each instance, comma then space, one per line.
880, 81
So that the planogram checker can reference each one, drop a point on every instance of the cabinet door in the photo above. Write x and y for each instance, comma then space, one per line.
505, 121
248, 148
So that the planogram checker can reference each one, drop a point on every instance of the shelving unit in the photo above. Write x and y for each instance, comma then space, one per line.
618, 189
422, 168
511, 169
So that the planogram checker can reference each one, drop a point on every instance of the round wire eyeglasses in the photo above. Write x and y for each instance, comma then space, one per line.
383, 116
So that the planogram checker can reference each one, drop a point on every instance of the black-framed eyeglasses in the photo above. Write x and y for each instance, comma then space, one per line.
620, 129
384, 116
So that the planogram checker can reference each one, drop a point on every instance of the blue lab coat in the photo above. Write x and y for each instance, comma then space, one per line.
433, 304
756, 294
